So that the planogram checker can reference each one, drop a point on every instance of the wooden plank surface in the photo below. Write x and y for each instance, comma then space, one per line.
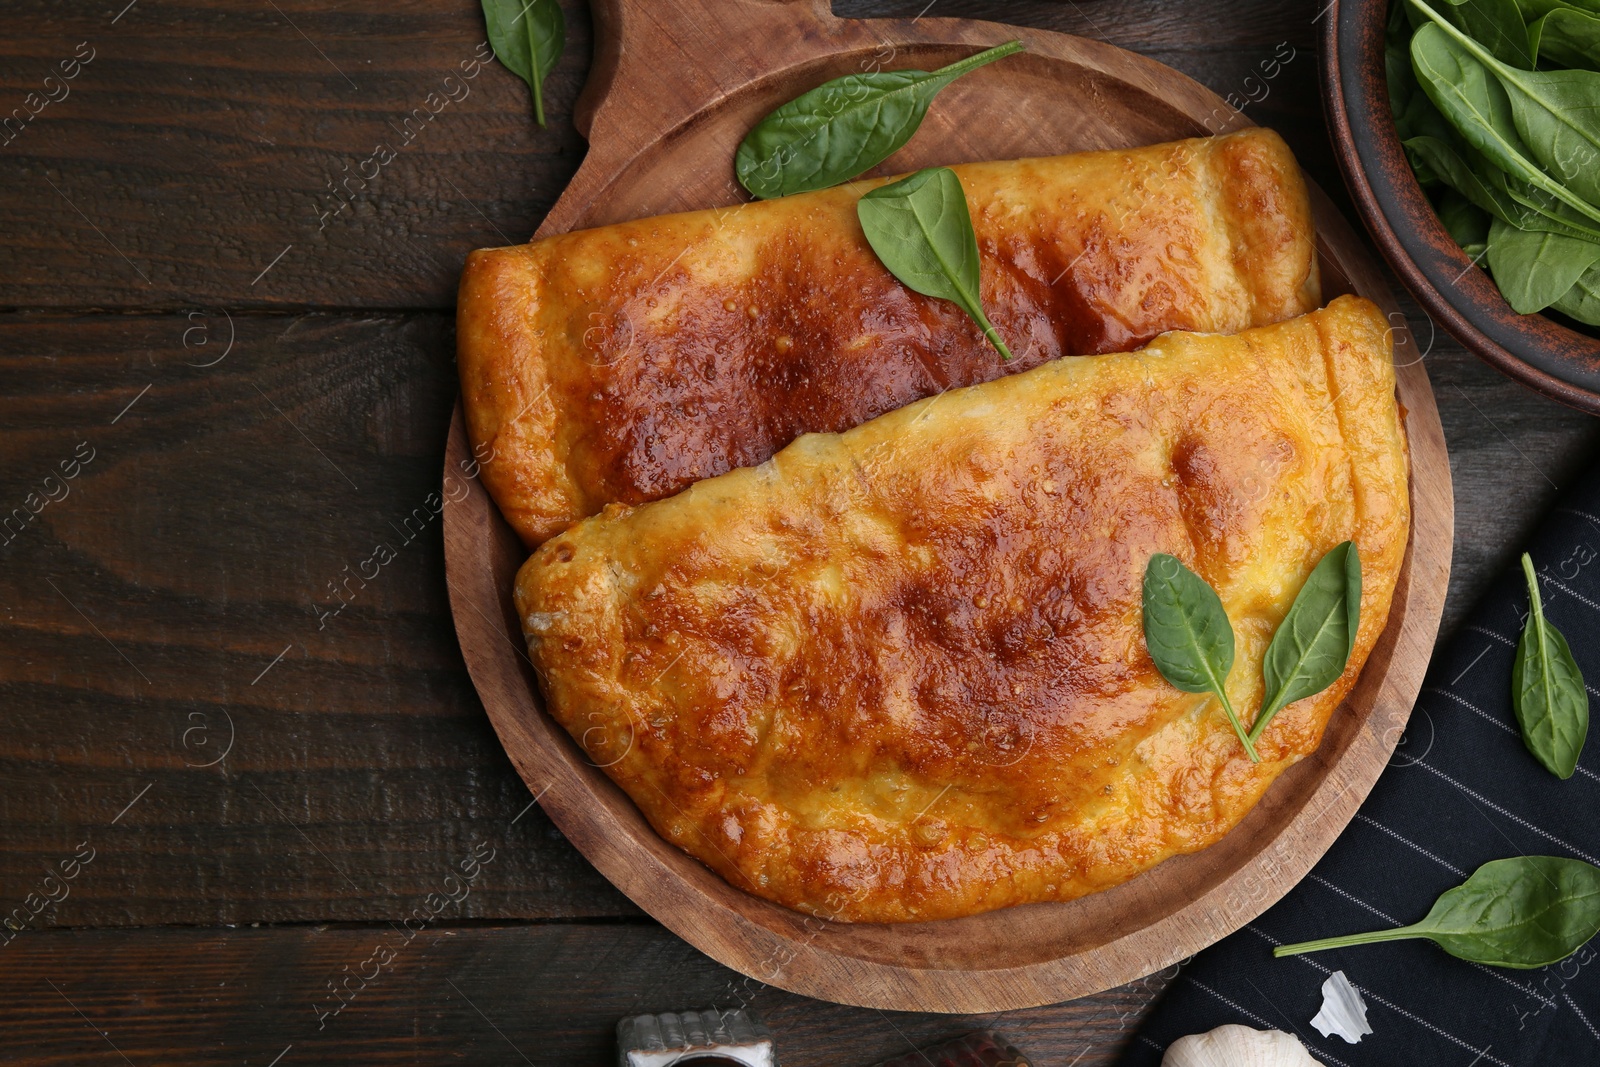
198, 543
466, 995
200, 582
198, 144
205, 139
199, 540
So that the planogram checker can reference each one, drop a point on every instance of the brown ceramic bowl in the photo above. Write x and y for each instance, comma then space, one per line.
1536, 350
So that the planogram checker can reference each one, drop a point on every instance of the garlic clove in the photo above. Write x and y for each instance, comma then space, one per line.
1343, 1011
1238, 1046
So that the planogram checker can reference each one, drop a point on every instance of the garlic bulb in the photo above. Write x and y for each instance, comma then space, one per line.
1238, 1046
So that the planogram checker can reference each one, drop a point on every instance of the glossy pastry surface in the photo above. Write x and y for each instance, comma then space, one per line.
899, 673
624, 363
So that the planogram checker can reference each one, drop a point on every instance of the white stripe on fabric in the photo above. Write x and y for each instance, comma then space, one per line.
1483, 1054
1574, 595
1513, 816
1507, 727
1452, 868
1485, 631
1581, 1016
1527, 990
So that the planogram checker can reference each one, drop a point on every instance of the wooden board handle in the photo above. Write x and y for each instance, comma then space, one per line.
707, 49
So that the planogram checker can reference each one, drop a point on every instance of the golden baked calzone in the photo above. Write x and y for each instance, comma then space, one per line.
899, 673
624, 363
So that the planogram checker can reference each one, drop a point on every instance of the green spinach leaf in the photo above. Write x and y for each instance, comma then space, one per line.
1547, 688
527, 37
1556, 114
1542, 211
1567, 37
1464, 169
1496, 24
921, 230
1534, 269
1414, 113
1465, 222
844, 127
1553, 112
1312, 645
1451, 163
1189, 636
1526, 912
1424, 120
1582, 301
1534, 9
1467, 93
1477, 104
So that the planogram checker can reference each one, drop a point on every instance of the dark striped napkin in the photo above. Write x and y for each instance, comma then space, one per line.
1460, 790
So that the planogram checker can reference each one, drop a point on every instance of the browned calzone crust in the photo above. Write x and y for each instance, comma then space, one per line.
899, 673
627, 362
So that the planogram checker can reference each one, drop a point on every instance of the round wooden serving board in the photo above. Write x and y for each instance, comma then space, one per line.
675, 86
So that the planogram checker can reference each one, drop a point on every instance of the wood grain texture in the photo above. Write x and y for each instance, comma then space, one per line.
473, 995
194, 546
74, 752
198, 143
644, 127
210, 80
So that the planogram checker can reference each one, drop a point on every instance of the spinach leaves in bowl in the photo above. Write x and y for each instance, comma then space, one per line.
1498, 105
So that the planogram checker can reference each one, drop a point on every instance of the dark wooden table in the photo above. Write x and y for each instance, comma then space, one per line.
219, 394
